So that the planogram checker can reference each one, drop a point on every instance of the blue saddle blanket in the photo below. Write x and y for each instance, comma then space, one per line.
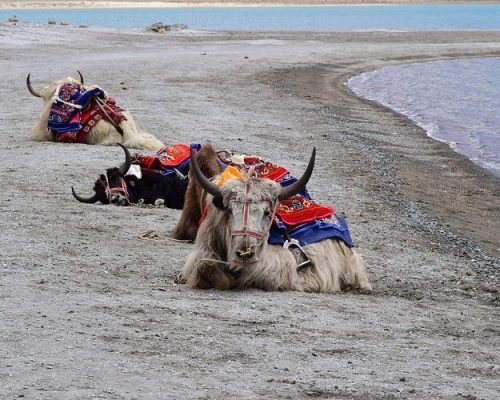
334, 227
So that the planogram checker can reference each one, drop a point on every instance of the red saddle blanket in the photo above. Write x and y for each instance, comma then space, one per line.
167, 157
89, 118
261, 168
299, 209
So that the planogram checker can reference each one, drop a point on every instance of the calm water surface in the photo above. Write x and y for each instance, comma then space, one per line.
457, 102
380, 17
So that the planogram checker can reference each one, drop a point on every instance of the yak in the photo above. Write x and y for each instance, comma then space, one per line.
174, 191
231, 249
76, 113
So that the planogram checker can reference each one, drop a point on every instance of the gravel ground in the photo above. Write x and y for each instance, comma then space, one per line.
88, 310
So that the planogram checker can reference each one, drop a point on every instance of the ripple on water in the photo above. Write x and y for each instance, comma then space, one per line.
455, 101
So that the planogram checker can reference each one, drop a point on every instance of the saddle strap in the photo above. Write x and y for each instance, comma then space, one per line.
101, 105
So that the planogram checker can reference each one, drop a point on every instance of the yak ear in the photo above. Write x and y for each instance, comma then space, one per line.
218, 202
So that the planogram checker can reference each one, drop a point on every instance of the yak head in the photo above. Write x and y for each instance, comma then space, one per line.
111, 187
47, 93
245, 211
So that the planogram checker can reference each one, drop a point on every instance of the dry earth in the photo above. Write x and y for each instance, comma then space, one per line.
88, 310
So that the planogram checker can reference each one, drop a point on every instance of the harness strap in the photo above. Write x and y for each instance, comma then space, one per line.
246, 231
101, 103
293, 244
109, 191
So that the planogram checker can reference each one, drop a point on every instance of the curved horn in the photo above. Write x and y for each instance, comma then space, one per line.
90, 200
209, 186
128, 160
81, 77
296, 187
30, 88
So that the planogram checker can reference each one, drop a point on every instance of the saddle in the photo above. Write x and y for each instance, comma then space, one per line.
76, 110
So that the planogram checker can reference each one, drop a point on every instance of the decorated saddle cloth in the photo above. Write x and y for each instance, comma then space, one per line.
168, 160
75, 111
298, 217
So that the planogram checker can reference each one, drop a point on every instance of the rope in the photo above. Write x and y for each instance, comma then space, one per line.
101, 103
211, 260
156, 236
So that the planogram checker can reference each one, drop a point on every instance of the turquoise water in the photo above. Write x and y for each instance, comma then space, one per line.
380, 17
457, 102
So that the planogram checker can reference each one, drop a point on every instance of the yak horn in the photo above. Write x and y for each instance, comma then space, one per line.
296, 187
81, 77
30, 88
205, 183
90, 200
128, 161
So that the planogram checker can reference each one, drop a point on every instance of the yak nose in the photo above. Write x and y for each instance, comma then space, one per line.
245, 254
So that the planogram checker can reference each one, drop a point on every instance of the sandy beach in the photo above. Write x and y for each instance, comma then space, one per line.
88, 310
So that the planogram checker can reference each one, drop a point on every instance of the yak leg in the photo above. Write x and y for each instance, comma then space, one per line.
209, 275
215, 277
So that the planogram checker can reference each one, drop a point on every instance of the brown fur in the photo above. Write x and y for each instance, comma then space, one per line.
187, 226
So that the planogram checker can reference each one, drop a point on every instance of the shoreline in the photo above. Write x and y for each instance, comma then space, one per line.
20, 5
429, 131
475, 219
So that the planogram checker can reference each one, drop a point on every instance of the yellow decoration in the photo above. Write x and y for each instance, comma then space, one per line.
229, 173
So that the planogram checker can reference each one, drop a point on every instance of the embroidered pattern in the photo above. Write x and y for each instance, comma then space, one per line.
75, 112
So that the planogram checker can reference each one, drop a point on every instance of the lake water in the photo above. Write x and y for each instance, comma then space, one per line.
375, 17
456, 101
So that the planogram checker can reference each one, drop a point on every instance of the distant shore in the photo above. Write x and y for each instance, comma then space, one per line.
20, 4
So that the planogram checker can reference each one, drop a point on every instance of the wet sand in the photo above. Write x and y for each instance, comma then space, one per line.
89, 310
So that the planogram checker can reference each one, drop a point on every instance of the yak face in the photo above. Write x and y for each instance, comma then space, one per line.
250, 206
110, 188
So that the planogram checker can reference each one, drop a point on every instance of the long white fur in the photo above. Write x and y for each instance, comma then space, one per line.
103, 133
336, 266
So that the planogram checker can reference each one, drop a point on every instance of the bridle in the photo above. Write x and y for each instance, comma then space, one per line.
119, 189
246, 231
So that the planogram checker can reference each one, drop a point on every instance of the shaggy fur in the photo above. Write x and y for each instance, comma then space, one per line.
187, 226
103, 133
336, 266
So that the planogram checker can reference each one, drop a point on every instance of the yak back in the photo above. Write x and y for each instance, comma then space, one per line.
154, 185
